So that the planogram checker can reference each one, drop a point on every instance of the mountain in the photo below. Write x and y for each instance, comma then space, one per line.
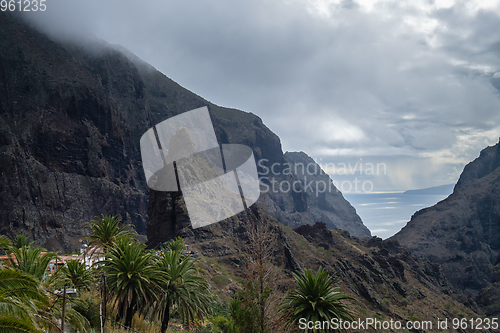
300, 193
386, 280
328, 206
462, 232
435, 190
71, 119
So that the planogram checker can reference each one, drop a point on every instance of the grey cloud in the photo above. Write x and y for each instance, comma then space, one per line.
349, 82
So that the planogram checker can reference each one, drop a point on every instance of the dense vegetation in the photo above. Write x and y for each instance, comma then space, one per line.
131, 288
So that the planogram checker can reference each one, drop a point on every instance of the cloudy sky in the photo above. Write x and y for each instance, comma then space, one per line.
413, 85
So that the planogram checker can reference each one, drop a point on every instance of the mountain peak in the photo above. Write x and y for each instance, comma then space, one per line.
71, 119
462, 232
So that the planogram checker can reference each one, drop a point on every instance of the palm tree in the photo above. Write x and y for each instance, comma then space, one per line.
21, 300
315, 298
106, 230
13, 324
175, 245
184, 290
132, 277
74, 274
31, 260
4, 242
20, 241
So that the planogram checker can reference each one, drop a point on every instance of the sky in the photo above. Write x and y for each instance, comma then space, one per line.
408, 90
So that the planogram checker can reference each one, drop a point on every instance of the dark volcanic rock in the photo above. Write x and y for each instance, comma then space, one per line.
323, 201
462, 232
71, 118
489, 299
389, 270
69, 123
318, 234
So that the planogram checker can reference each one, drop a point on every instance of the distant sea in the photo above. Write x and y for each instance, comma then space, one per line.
386, 213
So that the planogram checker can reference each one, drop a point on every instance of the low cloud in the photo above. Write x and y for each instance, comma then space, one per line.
414, 84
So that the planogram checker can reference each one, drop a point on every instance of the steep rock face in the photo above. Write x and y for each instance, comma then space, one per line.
71, 118
295, 191
489, 298
317, 233
462, 232
68, 125
385, 278
323, 200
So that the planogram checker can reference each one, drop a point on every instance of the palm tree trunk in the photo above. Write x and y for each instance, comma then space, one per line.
166, 318
129, 315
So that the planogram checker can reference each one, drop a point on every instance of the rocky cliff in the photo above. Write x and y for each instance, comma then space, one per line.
387, 281
324, 202
295, 191
462, 232
71, 117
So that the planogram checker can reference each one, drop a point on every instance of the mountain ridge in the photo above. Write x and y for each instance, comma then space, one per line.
71, 118
69, 132
446, 189
462, 232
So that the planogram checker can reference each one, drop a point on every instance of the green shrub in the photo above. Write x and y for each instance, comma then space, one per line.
220, 280
223, 324
414, 317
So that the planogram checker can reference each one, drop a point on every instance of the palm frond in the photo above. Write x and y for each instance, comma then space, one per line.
315, 298
184, 289
4, 242
106, 229
14, 324
21, 298
132, 277
31, 260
